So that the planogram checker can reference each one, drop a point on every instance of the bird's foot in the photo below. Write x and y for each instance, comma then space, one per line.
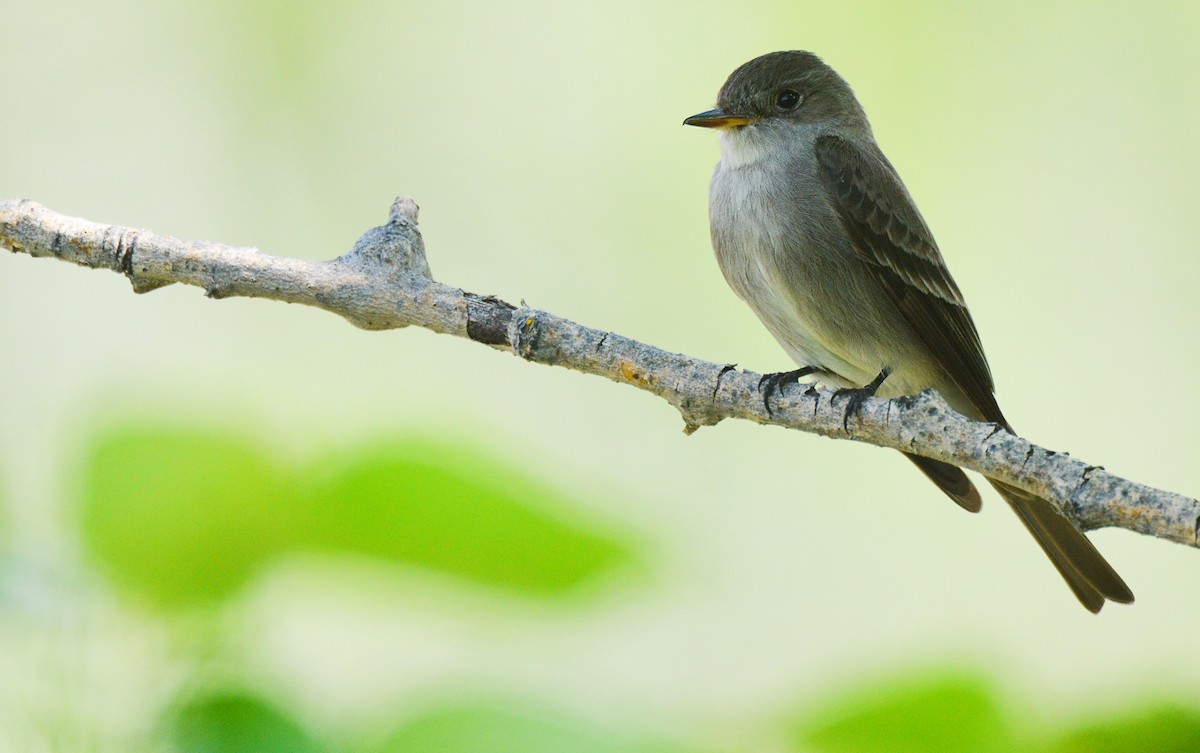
772, 383
858, 396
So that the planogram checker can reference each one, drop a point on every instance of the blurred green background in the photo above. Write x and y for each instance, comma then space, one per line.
237, 525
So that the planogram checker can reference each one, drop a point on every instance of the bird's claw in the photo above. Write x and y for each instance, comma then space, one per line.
858, 396
769, 384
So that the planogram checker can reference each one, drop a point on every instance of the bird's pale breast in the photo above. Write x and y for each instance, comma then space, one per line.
786, 254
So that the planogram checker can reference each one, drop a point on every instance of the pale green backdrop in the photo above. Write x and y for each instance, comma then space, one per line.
759, 575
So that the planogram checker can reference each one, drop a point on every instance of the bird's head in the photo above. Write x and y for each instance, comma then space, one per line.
781, 88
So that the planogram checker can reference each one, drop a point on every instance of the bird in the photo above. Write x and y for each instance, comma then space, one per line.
813, 228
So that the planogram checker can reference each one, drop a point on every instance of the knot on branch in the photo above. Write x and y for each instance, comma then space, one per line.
121, 244
693, 380
395, 250
524, 328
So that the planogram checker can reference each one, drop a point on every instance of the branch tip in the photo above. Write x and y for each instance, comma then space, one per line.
404, 210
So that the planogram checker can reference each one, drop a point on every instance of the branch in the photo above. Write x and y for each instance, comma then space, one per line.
384, 283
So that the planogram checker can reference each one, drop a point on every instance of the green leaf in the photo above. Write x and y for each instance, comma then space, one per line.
182, 518
1163, 729
237, 723
456, 511
503, 728
929, 713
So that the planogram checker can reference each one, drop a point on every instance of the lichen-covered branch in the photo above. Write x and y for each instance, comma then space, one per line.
384, 283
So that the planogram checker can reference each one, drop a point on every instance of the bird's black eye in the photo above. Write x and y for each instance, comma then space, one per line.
787, 100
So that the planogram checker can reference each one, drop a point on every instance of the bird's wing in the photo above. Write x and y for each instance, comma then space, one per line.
891, 238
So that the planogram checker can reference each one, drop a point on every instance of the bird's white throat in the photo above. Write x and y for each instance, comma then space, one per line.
744, 146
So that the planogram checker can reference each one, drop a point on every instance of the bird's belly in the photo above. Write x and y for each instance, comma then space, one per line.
802, 286
787, 319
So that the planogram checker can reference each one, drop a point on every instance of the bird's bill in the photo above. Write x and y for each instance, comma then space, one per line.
717, 118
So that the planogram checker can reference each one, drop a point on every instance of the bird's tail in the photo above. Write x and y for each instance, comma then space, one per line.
951, 480
1083, 567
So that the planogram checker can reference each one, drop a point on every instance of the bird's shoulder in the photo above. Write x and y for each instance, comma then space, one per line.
877, 209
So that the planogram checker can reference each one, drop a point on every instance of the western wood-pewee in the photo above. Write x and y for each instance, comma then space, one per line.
813, 228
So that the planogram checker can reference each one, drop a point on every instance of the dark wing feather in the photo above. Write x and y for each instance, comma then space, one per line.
892, 239
888, 233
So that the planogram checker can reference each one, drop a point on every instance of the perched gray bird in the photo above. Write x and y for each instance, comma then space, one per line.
813, 228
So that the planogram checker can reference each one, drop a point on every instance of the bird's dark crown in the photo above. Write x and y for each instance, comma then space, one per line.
753, 90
